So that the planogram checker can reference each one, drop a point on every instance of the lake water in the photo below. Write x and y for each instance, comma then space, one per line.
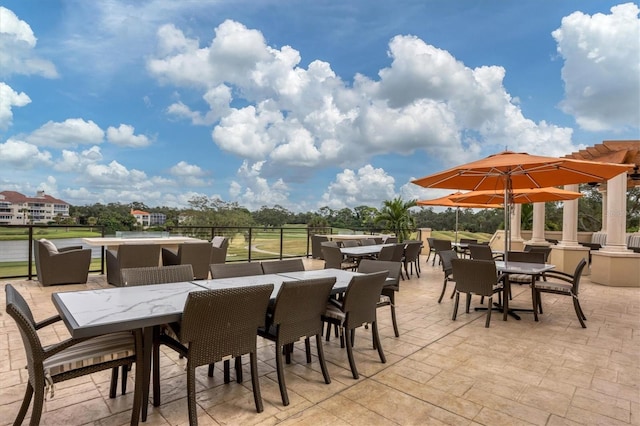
16, 251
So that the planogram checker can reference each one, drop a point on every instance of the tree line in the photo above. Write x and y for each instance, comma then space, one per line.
393, 215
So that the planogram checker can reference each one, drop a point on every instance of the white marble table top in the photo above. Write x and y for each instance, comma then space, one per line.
363, 250
115, 241
94, 312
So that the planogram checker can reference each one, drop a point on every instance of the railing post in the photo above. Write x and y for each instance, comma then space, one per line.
30, 255
281, 242
250, 239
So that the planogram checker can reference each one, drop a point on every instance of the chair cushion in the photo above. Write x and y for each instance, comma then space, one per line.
334, 312
552, 285
520, 278
51, 248
384, 301
91, 352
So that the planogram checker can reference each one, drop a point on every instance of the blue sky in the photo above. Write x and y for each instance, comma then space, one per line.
301, 104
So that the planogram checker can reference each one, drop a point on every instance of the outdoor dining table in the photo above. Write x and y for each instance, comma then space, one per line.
89, 313
524, 268
363, 251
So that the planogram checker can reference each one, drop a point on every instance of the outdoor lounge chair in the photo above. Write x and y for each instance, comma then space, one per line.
69, 265
198, 255
130, 256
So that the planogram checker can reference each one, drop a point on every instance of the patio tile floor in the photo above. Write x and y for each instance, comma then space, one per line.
438, 371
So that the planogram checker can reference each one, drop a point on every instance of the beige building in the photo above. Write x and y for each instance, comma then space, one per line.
18, 209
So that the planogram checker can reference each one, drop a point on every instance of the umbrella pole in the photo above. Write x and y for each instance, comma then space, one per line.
457, 210
507, 217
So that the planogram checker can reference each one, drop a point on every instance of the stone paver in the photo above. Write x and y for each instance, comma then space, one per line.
438, 371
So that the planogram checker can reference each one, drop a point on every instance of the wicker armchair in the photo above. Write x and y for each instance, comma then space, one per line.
358, 307
217, 324
70, 358
219, 247
198, 255
476, 277
388, 294
297, 313
563, 284
130, 256
279, 266
69, 265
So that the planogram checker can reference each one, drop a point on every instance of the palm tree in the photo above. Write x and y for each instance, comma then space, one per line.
396, 217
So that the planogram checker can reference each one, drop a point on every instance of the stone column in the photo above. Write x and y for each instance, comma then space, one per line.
517, 243
616, 213
570, 220
605, 198
537, 235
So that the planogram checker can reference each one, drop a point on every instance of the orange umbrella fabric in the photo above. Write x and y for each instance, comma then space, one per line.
508, 169
518, 196
448, 201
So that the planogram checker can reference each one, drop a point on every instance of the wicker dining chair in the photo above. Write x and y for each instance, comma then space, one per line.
333, 258
71, 358
280, 266
357, 308
217, 324
478, 277
563, 284
391, 286
412, 257
148, 276
230, 270
446, 256
438, 246
297, 312
483, 252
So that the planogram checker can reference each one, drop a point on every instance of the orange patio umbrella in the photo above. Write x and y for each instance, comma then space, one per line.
508, 170
518, 196
447, 201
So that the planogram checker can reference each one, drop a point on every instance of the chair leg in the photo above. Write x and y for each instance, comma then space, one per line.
468, 303
576, 306
444, 288
123, 385
114, 382
254, 382
394, 321
210, 370
376, 339
38, 402
191, 394
28, 394
156, 366
280, 372
323, 364
352, 362
489, 309
227, 368
307, 349
455, 306
534, 300
239, 369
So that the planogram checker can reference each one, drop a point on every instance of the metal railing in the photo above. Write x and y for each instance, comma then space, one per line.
246, 243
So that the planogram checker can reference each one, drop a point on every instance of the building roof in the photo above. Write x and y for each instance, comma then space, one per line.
139, 212
18, 198
619, 152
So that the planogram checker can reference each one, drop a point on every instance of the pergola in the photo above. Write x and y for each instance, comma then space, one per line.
613, 264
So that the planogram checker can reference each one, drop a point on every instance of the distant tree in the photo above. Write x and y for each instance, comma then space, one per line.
396, 217
366, 216
275, 216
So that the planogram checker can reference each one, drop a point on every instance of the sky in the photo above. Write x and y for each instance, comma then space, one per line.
297, 103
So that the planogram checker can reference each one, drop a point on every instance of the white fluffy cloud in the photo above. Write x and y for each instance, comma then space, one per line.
17, 42
114, 175
602, 67
23, 155
72, 161
425, 100
124, 136
9, 98
251, 190
69, 133
188, 174
367, 186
